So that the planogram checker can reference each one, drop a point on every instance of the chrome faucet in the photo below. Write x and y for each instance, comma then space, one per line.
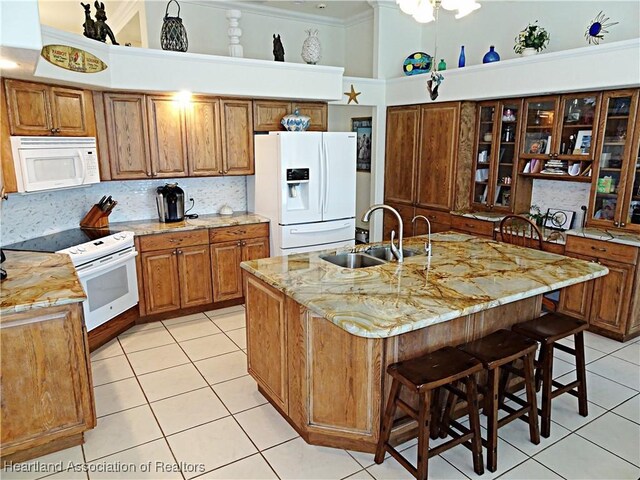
397, 252
427, 245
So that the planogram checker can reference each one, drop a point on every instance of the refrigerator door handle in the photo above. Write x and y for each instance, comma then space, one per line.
325, 172
321, 196
295, 231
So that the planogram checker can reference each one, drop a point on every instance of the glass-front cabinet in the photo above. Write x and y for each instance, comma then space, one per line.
615, 194
494, 175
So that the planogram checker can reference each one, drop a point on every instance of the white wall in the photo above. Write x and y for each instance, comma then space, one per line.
359, 48
564, 195
498, 22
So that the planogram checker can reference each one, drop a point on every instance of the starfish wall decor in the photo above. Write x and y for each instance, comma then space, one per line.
353, 95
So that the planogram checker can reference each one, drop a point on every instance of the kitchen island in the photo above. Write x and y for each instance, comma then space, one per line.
319, 336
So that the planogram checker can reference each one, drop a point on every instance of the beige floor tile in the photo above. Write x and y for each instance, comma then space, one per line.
299, 460
172, 381
158, 358
184, 318
602, 391
239, 394
530, 470
223, 311
630, 409
116, 396
630, 353
109, 349
188, 410
48, 464
265, 426
604, 344
239, 337
616, 434
390, 469
152, 460
214, 444
209, 346
121, 431
223, 367
110, 370
143, 327
361, 475
230, 321
250, 468
145, 340
193, 329
618, 370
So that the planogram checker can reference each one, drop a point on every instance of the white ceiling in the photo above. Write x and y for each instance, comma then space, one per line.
338, 9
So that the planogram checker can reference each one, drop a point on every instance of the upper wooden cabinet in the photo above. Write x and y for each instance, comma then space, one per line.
401, 159
39, 109
237, 136
268, 113
166, 137
204, 146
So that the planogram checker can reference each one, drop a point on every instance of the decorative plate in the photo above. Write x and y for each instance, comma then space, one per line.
417, 63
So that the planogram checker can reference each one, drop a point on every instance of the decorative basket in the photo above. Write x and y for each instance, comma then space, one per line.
173, 35
295, 122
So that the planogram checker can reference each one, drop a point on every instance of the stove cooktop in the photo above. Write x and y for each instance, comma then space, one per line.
59, 241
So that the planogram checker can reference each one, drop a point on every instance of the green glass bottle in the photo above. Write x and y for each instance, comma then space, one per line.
442, 65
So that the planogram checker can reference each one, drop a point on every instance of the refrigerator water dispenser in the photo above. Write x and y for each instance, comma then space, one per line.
298, 186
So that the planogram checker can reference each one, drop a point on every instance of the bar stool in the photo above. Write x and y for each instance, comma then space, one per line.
498, 351
423, 376
548, 330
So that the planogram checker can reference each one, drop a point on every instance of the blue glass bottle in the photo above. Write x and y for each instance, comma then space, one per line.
491, 56
461, 58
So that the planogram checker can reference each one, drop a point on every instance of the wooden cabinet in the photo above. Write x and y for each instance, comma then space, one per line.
610, 303
204, 137
229, 247
615, 190
39, 109
473, 226
127, 135
440, 221
166, 137
268, 113
390, 222
237, 137
176, 271
401, 158
46, 388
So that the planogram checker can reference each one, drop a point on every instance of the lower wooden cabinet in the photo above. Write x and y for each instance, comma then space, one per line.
45, 387
390, 222
440, 221
472, 226
194, 272
160, 277
612, 298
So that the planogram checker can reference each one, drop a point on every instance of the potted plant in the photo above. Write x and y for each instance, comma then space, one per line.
531, 40
536, 215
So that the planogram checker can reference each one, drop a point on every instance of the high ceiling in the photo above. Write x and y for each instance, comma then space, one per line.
333, 8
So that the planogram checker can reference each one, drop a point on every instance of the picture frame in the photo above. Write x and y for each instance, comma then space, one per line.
363, 127
558, 219
537, 145
583, 142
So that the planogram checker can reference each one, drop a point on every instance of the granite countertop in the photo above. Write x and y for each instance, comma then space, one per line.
153, 226
37, 280
614, 236
466, 274
485, 216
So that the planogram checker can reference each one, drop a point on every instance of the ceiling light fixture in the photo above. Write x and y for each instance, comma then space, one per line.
7, 64
423, 10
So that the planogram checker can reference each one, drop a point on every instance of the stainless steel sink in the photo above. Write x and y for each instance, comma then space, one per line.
384, 253
353, 260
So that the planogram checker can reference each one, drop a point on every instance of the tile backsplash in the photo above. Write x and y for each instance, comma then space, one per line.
32, 215
564, 195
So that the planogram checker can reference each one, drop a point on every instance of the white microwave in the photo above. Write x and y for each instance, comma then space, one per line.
50, 163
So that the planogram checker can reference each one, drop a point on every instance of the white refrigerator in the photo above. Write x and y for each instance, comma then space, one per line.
305, 183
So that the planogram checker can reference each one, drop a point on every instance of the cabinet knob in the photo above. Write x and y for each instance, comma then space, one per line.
173, 253
155, 174
615, 223
148, 174
220, 172
57, 130
239, 244
53, 131
244, 244
622, 224
225, 171
179, 252
599, 249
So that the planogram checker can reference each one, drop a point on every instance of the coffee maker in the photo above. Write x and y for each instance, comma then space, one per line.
170, 201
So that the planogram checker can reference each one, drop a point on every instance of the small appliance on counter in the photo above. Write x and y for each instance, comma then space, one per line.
170, 201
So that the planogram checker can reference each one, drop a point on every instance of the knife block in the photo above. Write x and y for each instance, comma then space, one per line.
95, 218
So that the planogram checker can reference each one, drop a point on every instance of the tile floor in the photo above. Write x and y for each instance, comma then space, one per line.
177, 393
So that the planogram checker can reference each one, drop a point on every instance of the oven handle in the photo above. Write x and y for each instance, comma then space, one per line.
91, 271
82, 165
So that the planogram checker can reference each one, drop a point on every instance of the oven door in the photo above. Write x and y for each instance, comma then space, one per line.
111, 286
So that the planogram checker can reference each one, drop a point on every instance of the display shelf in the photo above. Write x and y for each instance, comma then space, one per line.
566, 178
617, 117
607, 195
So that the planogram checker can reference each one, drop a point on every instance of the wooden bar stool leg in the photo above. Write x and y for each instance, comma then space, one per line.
581, 368
387, 421
529, 378
424, 413
504, 381
492, 419
541, 355
435, 414
446, 414
547, 376
474, 423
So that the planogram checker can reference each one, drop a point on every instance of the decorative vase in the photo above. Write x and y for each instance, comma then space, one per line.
491, 56
234, 32
294, 122
529, 51
461, 58
173, 35
442, 65
311, 48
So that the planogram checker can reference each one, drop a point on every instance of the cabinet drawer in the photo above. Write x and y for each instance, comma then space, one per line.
229, 234
472, 226
604, 250
436, 216
164, 241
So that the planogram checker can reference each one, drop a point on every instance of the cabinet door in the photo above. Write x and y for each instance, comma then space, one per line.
630, 218
203, 137
267, 115
69, 112
390, 222
317, 112
225, 266
237, 137
438, 150
166, 137
612, 297
194, 267
575, 300
440, 221
401, 154
160, 276
127, 132
255, 248
28, 105
484, 163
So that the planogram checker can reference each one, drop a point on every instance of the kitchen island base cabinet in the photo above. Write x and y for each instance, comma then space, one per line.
46, 388
329, 384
